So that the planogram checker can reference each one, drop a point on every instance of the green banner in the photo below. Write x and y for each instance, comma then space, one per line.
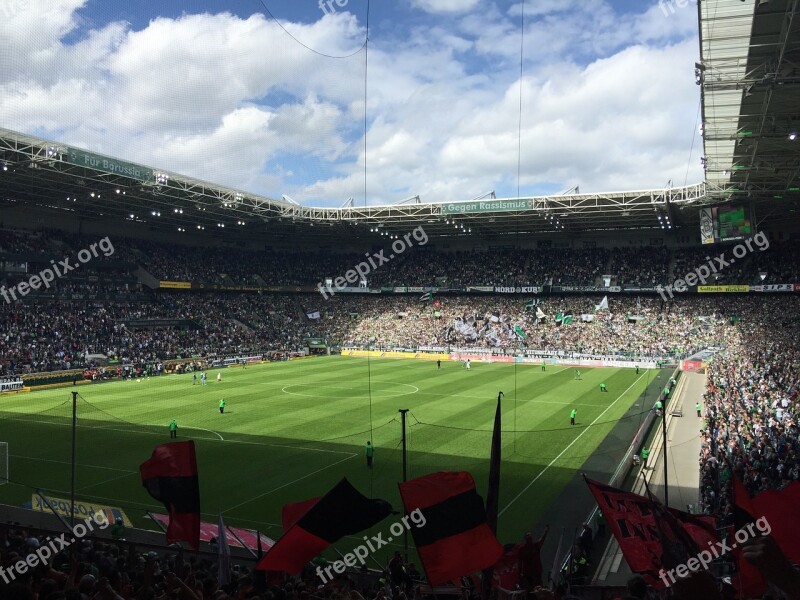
82, 158
486, 206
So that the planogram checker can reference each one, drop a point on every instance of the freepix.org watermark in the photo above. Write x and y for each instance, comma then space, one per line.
715, 550
668, 7
362, 269
51, 547
9, 8
701, 274
57, 269
327, 6
361, 552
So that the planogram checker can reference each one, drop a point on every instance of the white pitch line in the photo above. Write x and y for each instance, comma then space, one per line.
288, 484
88, 487
208, 430
63, 462
228, 441
552, 462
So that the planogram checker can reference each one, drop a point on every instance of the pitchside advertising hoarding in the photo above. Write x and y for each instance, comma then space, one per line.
11, 384
83, 508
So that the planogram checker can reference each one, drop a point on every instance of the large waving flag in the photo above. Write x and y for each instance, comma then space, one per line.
456, 539
342, 511
772, 512
170, 476
632, 519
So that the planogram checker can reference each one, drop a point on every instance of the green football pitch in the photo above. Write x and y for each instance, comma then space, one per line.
291, 430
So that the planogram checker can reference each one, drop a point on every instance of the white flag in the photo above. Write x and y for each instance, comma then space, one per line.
223, 554
313, 315
603, 304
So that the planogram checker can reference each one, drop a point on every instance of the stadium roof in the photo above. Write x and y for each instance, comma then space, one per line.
58, 177
749, 72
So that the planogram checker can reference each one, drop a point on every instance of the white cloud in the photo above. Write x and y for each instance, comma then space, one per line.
445, 6
609, 99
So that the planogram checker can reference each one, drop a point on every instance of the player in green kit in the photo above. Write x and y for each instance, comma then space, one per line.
173, 429
577, 375
543, 367
369, 452
222, 406
603, 387
572, 415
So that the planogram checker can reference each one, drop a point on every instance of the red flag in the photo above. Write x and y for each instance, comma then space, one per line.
292, 512
771, 512
775, 513
455, 540
632, 520
170, 476
342, 511
750, 582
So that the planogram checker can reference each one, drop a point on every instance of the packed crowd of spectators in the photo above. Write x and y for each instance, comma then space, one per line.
419, 265
59, 335
640, 266
644, 327
115, 570
751, 403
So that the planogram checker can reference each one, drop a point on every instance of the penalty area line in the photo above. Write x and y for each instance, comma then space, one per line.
579, 436
280, 487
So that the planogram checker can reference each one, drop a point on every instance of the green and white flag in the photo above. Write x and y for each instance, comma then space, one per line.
519, 333
564, 318
426, 297
540, 313
532, 304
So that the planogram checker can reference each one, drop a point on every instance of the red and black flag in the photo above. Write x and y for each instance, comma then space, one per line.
170, 476
774, 512
750, 582
633, 519
342, 511
291, 513
456, 540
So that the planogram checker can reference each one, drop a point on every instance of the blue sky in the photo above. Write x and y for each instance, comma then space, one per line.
220, 91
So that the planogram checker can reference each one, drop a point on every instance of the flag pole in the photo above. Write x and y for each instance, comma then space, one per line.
73, 467
664, 435
403, 412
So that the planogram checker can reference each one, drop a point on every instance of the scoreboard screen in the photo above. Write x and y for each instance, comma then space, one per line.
724, 224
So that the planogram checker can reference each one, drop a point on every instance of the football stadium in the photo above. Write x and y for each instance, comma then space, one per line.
261, 337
